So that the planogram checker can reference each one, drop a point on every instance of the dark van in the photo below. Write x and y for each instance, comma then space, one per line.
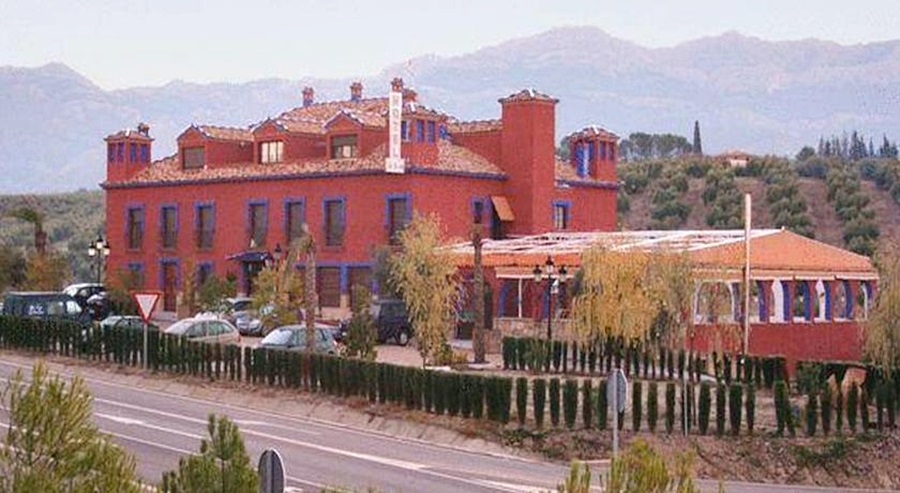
44, 305
392, 321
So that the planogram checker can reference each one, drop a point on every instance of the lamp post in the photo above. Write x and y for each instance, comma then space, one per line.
549, 273
99, 250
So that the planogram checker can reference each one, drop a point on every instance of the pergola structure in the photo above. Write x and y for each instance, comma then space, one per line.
807, 297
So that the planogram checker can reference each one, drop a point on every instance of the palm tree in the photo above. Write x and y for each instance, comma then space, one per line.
35, 217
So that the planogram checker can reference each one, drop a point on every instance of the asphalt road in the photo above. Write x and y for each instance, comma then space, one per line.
159, 428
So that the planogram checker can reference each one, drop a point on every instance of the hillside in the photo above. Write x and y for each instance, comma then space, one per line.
764, 97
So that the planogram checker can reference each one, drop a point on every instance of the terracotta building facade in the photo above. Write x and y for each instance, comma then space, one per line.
231, 196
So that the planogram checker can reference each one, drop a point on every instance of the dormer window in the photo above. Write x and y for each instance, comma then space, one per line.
271, 152
343, 147
193, 157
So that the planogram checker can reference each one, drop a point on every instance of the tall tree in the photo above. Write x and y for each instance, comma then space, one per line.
426, 278
882, 344
222, 466
278, 286
34, 216
52, 444
698, 146
478, 332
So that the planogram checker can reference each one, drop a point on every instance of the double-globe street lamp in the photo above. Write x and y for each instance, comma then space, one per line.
99, 250
549, 273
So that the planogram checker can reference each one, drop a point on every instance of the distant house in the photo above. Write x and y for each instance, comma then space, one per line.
735, 159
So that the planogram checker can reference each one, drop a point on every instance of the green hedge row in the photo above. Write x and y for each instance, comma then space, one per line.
451, 393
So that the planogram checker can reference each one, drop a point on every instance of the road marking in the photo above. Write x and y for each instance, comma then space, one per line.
137, 422
120, 419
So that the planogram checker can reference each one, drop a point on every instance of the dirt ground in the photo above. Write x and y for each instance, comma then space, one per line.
847, 460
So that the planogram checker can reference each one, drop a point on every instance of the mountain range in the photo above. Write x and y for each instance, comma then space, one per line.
760, 96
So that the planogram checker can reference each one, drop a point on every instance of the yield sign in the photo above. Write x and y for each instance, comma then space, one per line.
146, 302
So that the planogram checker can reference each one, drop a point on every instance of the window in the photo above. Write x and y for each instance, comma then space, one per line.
477, 212
205, 225
359, 277
431, 131
168, 225
145, 153
343, 147
132, 152
612, 152
603, 150
110, 152
271, 152
120, 152
204, 272
193, 157
294, 218
334, 222
398, 217
135, 222
257, 228
420, 130
560, 215
404, 130
329, 282
135, 275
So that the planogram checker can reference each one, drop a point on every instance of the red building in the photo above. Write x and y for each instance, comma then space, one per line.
231, 195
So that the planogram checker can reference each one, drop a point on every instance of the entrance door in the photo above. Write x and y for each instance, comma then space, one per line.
251, 270
170, 280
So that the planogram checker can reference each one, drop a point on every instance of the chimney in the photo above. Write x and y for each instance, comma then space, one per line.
308, 93
356, 91
143, 129
409, 95
397, 84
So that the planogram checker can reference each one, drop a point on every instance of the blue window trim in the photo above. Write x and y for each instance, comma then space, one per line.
325, 201
206, 203
137, 267
420, 130
145, 153
787, 308
431, 131
162, 272
249, 220
829, 287
209, 265
134, 206
404, 131
169, 205
387, 206
132, 152
763, 301
120, 152
110, 153
567, 204
603, 150
286, 205
484, 209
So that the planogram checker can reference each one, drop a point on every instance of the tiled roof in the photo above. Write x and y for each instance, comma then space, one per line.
528, 95
414, 108
451, 159
565, 172
312, 118
457, 127
226, 133
593, 131
132, 134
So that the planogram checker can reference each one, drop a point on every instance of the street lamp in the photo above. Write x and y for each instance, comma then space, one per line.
549, 273
99, 250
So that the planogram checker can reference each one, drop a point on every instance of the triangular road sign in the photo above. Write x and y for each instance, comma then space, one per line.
146, 302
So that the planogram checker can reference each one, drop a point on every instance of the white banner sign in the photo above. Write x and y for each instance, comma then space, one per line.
393, 163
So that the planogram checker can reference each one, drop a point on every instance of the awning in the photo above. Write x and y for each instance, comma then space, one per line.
504, 211
250, 256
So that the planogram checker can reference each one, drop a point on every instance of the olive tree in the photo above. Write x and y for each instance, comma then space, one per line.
882, 329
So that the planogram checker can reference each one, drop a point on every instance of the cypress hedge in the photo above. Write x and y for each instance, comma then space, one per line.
652, 406
826, 408
811, 412
720, 409
782, 412
587, 407
879, 407
750, 406
864, 410
852, 406
670, 407
704, 408
554, 402
539, 396
602, 405
570, 402
508, 347
734, 407
521, 399
636, 406
839, 410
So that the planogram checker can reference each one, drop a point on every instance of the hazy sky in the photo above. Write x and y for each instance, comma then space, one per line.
143, 42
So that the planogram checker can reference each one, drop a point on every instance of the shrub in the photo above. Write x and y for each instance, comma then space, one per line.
587, 408
879, 406
539, 395
636, 406
826, 403
554, 402
750, 406
652, 406
891, 402
703, 408
839, 410
864, 410
522, 352
509, 353
451, 393
670, 406
557, 354
521, 399
735, 403
504, 398
720, 409
852, 406
646, 361
726, 368
570, 402
681, 362
782, 410
670, 364
811, 413
602, 405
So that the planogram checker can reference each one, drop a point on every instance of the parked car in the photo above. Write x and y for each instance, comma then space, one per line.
92, 297
44, 305
240, 313
127, 322
293, 338
392, 321
206, 330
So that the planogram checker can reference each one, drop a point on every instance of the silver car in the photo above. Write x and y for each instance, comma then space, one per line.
293, 338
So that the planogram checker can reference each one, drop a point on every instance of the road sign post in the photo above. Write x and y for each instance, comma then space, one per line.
146, 302
271, 472
616, 393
